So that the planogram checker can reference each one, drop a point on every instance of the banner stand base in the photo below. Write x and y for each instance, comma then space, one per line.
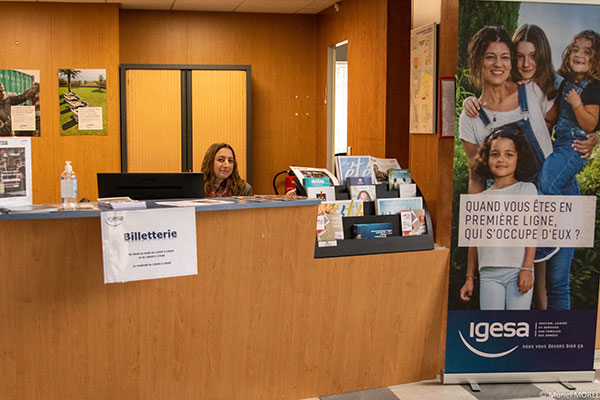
518, 377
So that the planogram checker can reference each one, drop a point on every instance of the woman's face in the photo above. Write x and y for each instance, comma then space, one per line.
526, 60
503, 158
224, 163
364, 196
496, 65
580, 58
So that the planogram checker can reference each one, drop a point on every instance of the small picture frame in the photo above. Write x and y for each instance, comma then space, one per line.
447, 114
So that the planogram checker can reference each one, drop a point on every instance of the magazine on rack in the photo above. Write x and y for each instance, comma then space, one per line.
413, 222
381, 166
325, 193
353, 166
397, 177
396, 205
311, 172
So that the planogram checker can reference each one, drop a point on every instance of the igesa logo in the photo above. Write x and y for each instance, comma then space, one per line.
114, 220
483, 330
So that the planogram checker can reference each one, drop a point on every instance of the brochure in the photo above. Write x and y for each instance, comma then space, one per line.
311, 172
381, 166
395, 205
121, 203
353, 166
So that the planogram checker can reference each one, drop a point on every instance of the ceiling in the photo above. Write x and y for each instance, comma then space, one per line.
252, 6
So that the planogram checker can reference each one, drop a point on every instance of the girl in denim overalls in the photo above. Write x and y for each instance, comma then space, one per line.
576, 109
575, 114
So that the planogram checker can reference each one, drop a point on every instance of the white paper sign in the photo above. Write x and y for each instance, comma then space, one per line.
526, 221
90, 118
148, 244
22, 118
15, 171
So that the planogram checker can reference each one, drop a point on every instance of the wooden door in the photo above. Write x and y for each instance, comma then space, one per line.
153, 101
219, 114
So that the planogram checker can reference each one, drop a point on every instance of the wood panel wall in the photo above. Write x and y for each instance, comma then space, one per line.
431, 158
261, 320
398, 82
364, 25
47, 37
281, 50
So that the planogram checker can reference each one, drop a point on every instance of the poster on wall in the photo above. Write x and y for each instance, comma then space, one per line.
15, 171
20, 107
82, 104
525, 255
423, 66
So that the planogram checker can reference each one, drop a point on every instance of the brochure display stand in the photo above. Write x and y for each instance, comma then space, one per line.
392, 244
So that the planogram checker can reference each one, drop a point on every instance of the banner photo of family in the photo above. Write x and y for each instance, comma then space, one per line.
525, 258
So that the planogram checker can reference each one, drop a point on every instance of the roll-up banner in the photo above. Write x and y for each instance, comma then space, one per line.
525, 261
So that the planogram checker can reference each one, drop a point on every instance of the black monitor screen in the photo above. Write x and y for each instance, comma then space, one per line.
149, 186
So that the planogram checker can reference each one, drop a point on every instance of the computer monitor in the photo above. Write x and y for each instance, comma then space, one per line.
150, 186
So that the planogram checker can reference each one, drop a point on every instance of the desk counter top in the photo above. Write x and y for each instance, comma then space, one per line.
87, 210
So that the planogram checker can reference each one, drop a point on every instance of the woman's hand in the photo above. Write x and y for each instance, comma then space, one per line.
467, 290
525, 280
585, 147
471, 105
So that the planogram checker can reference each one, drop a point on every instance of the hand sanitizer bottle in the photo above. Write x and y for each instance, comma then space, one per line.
68, 186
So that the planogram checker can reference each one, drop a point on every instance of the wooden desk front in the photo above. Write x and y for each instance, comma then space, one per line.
262, 319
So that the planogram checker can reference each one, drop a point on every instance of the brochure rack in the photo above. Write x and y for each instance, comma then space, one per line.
392, 244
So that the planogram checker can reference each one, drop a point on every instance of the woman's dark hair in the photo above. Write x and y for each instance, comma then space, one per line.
525, 162
544, 76
594, 74
479, 44
234, 183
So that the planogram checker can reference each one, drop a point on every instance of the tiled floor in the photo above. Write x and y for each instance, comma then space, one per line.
434, 390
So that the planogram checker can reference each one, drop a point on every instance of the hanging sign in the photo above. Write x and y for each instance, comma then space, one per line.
148, 244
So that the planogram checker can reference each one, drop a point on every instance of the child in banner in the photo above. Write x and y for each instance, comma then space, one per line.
575, 111
506, 275
574, 114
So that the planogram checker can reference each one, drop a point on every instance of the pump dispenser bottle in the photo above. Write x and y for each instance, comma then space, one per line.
68, 186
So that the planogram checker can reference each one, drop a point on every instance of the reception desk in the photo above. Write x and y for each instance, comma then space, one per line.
263, 319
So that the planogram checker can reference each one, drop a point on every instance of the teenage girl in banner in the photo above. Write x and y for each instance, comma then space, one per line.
506, 275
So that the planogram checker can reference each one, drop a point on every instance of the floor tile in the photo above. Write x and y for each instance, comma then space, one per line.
430, 390
371, 394
505, 391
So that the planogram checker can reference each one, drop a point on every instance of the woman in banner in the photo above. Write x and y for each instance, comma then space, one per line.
491, 57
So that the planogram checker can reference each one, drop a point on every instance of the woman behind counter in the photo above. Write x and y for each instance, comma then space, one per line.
221, 176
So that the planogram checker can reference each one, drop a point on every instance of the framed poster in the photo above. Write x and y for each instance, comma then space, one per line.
423, 66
